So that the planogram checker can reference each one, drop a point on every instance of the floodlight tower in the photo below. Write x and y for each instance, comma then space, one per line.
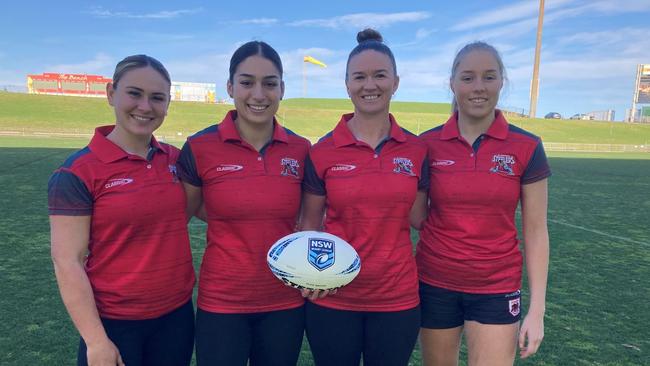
534, 85
311, 60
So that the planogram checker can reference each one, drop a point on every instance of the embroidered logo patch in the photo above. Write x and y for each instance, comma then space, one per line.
321, 253
117, 182
513, 306
289, 167
403, 166
503, 164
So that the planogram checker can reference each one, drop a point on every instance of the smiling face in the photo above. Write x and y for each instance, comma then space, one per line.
476, 85
140, 101
256, 88
371, 82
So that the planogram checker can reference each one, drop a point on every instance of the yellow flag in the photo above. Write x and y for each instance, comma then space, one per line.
314, 61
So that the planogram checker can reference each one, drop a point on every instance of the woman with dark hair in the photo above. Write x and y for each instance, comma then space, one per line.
120, 245
361, 182
243, 177
469, 261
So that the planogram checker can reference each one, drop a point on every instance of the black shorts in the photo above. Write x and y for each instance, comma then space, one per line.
444, 309
167, 340
272, 338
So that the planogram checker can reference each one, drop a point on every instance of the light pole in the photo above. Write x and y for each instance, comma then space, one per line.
534, 85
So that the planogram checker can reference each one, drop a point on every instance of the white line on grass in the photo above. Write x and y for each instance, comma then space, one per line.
598, 232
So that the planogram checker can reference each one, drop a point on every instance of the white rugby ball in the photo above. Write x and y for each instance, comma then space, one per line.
313, 260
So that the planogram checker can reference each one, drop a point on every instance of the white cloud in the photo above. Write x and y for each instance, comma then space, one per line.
506, 14
101, 64
100, 12
627, 35
257, 21
420, 35
361, 20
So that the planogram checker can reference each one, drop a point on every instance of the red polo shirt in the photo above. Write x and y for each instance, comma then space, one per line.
370, 193
139, 259
469, 241
252, 199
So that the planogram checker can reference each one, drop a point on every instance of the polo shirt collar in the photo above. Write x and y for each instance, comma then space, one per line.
107, 151
228, 129
343, 136
498, 129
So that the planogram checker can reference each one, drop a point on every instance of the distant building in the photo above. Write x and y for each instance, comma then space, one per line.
642, 115
194, 92
67, 84
95, 86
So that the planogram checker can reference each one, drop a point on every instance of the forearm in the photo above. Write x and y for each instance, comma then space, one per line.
78, 299
537, 259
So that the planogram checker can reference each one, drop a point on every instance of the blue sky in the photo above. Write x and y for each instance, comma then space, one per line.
588, 61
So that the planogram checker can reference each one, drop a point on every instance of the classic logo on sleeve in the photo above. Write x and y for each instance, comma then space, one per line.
403, 166
503, 164
289, 167
321, 253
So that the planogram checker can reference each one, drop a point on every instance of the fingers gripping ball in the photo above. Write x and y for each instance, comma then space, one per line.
313, 260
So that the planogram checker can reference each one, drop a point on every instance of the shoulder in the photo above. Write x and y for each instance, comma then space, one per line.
433, 133
78, 158
413, 141
518, 133
205, 133
294, 138
171, 149
325, 142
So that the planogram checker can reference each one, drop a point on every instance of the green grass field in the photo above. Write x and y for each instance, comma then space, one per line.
311, 118
599, 210
598, 286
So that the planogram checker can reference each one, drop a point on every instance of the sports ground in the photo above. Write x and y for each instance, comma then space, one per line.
599, 209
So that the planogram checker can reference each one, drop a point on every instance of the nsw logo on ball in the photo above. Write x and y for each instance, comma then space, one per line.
321, 253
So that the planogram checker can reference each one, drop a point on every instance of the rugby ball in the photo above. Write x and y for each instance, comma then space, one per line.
313, 260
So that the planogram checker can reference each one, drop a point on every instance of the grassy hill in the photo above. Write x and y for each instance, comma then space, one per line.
309, 117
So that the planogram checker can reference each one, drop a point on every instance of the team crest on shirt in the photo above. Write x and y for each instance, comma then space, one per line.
503, 164
321, 253
289, 167
172, 169
403, 166
514, 307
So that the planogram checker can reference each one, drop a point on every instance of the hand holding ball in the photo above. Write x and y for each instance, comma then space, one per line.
313, 260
